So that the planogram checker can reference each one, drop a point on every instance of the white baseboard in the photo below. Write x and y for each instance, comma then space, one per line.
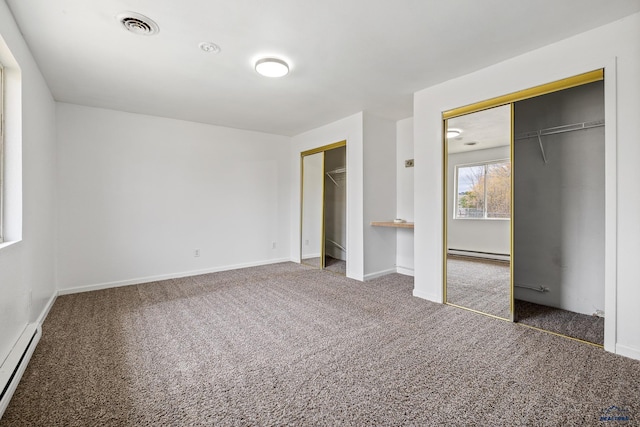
140, 280
424, 295
310, 256
16, 362
377, 274
405, 271
47, 308
623, 350
474, 254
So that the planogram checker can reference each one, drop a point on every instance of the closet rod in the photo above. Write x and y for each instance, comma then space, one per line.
341, 170
537, 289
560, 129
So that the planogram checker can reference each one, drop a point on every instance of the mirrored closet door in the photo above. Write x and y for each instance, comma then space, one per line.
524, 215
478, 214
323, 242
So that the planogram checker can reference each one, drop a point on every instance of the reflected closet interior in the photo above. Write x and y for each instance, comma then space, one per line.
524, 217
323, 242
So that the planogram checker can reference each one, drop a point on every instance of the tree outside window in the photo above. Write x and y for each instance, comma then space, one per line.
484, 190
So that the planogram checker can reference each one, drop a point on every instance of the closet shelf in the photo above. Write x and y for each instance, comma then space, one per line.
336, 174
555, 130
560, 129
392, 224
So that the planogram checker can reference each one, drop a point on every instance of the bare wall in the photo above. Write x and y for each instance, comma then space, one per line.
27, 280
138, 194
404, 196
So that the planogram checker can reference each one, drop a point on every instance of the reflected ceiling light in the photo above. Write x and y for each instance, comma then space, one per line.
452, 133
272, 67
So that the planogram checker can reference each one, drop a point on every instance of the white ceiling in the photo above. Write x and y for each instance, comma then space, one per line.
487, 128
346, 56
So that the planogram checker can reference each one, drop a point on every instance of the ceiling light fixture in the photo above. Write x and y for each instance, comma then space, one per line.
272, 67
452, 133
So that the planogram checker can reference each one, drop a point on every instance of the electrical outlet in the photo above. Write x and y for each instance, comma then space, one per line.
196, 252
273, 245
408, 163
306, 242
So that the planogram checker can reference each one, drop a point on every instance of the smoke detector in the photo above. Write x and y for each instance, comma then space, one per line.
209, 47
137, 23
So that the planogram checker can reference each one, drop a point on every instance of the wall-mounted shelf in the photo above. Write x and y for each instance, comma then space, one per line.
392, 224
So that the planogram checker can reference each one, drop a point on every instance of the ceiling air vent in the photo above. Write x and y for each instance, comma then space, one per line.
138, 24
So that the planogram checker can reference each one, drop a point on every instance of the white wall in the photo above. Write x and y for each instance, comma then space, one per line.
614, 47
404, 196
27, 279
379, 195
491, 236
138, 194
349, 129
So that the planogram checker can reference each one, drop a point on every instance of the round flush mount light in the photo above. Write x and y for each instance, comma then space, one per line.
137, 23
209, 47
452, 133
272, 67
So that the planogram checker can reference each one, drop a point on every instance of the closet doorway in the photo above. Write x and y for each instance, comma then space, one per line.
323, 242
551, 272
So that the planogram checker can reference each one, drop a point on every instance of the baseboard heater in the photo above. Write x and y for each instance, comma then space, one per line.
478, 254
16, 362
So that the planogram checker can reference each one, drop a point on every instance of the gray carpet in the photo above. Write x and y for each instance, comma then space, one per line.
290, 345
330, 263
479, 284
483, 285
576, 325
335, 265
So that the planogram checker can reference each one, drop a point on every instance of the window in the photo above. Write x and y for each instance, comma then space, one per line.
483, 190
1, 154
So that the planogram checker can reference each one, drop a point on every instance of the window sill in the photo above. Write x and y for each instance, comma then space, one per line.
7, 244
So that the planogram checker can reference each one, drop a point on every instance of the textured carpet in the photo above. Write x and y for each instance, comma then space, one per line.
290, 345
330, 263
335, 265
482, 285
576, 325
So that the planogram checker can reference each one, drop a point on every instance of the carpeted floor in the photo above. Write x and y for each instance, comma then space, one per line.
290, 345
330, 263
576, 325
483, 285
479, 284
335, 265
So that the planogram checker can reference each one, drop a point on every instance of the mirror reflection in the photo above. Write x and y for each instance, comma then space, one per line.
312, 189
478, 189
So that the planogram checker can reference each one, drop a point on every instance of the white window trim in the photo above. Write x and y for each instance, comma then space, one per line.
455, 189
2, 132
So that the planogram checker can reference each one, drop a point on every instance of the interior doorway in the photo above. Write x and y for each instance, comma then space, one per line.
323, 242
